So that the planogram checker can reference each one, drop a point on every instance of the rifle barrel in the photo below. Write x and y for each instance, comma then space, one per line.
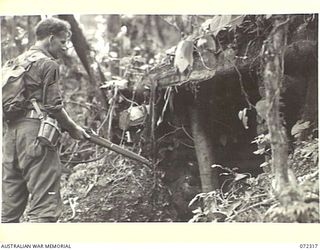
116, 148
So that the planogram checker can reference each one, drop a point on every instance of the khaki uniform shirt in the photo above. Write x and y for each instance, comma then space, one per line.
44, 75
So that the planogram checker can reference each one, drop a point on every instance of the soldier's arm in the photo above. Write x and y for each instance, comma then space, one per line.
53, 102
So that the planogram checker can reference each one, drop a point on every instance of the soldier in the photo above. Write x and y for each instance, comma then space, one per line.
31, 167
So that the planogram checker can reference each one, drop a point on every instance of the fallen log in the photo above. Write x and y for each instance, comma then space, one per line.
299, 56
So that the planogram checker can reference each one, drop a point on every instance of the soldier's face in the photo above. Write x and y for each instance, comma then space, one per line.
58, 44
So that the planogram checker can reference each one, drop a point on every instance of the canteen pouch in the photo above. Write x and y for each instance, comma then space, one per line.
49, 131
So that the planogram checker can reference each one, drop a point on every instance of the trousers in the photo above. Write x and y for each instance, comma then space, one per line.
30, 173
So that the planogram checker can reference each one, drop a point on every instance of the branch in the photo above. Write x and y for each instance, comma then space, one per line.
74, 150
243, 91
202, 61
275, 29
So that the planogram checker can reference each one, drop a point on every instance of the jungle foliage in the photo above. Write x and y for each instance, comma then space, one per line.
108, 79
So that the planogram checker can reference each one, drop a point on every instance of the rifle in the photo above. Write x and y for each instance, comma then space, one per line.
116, 148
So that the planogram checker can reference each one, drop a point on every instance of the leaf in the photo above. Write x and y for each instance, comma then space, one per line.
197, 197
202, 41
265, 164
267, 137
245, 120
262, 109
216, 166
121, 84
299, 127
236, 21
218, 22
171, 51
224, 174
308, 151
243, 117
260, 151
205, 26
193, 200
240, 114
233, 208
183, 55
113, 54
239, 177
207, 42
196, 218
166, 97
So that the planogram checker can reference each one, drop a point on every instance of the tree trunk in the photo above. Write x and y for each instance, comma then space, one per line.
272, 79
32, 22
208, 176
82, 48
113, 28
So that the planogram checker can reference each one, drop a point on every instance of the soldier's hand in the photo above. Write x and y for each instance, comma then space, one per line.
79, 133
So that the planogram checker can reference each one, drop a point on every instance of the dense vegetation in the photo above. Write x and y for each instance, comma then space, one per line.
109, 78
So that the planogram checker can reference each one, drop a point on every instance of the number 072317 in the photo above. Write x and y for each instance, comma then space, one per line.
309, 246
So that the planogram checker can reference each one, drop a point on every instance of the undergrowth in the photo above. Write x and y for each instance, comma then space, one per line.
114, 189
252, 199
